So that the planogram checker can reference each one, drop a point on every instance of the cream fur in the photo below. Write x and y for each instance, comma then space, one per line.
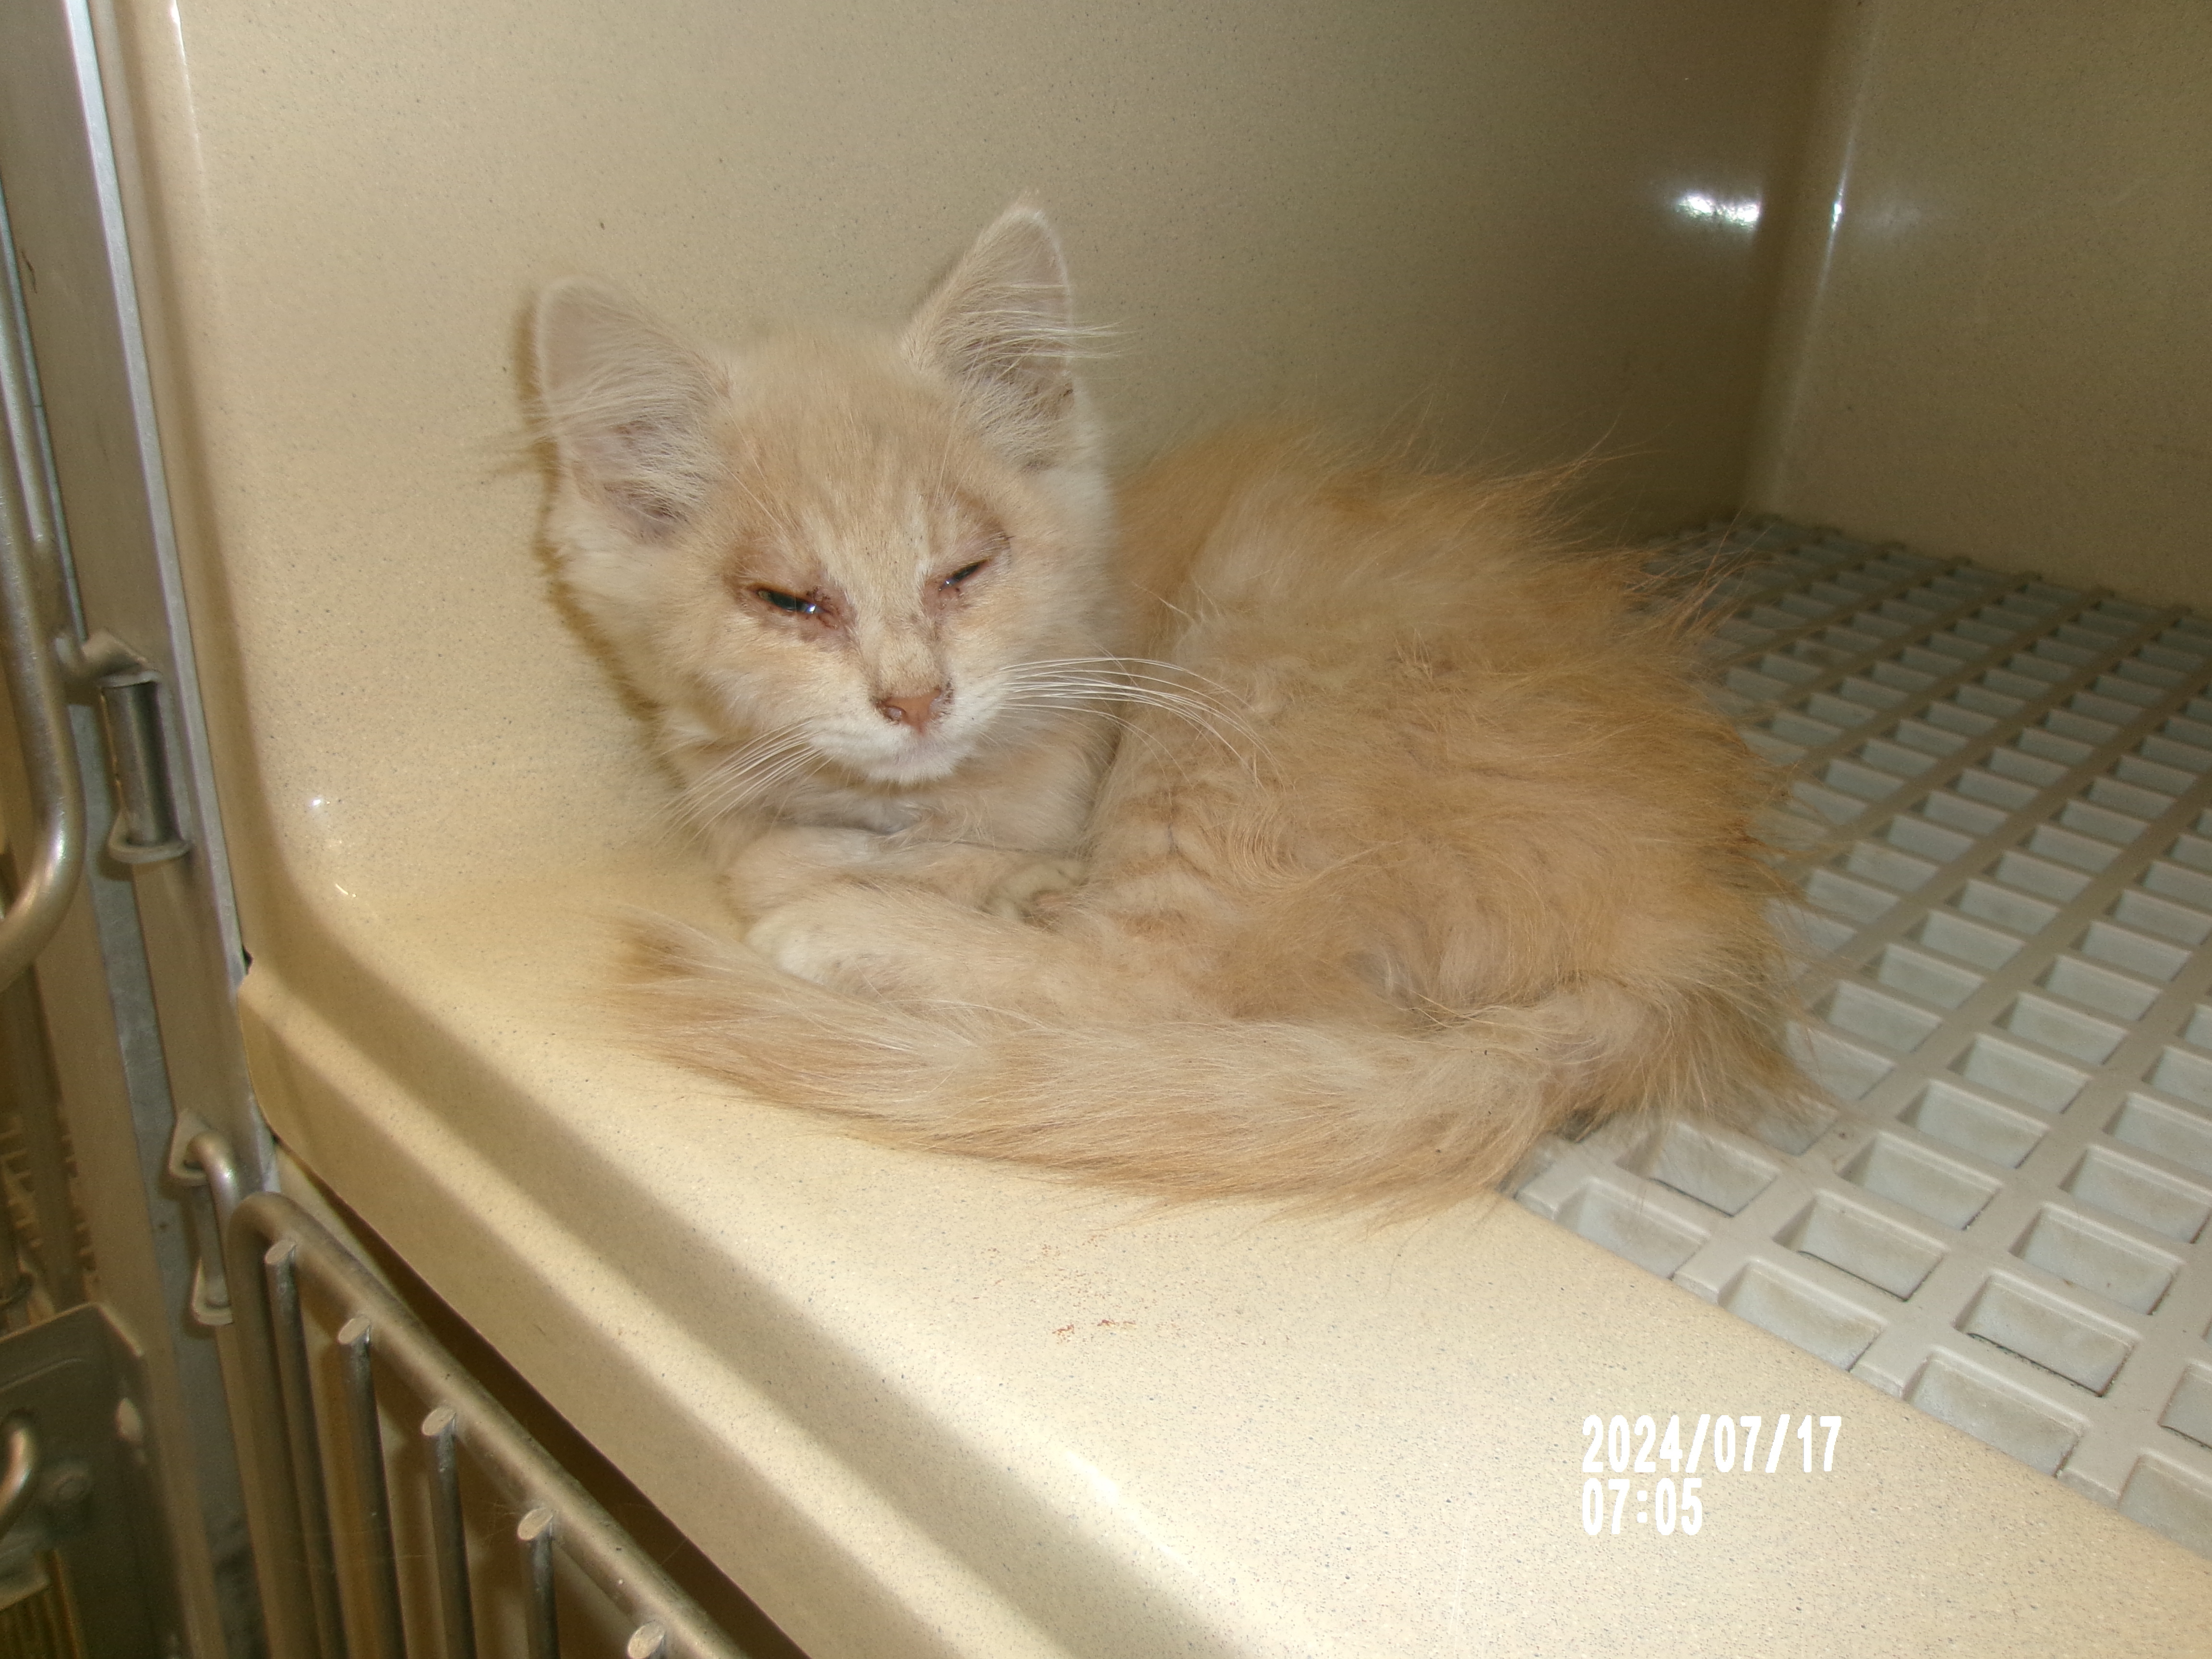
1418, 841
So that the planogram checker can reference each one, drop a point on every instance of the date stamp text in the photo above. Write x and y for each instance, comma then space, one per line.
1619, 1452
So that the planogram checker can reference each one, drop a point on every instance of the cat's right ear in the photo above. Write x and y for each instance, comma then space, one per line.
628, 405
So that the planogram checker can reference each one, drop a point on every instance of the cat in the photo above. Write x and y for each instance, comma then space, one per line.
1330, 833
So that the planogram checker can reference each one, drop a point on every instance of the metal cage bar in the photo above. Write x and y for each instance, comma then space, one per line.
276, 1250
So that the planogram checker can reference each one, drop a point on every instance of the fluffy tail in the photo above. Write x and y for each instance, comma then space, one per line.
1317, 1115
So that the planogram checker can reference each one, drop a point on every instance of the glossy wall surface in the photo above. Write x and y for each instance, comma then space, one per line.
1995, 343
1464, 216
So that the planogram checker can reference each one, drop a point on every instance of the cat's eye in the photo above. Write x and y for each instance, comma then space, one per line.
965, 571
791, 603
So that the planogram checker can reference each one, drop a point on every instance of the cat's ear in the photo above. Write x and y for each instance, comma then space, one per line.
1002, 327
628, 406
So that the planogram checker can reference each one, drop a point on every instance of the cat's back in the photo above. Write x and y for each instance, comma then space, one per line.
1420, 648
1277, 535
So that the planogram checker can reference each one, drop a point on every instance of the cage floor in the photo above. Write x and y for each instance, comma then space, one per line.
1999, 822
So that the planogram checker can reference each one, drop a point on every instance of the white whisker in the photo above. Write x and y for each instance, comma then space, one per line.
749, 773
1121, 678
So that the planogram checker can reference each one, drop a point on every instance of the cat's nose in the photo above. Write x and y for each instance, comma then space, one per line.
917, 710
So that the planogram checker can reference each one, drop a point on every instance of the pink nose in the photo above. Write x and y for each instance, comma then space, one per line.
916, 711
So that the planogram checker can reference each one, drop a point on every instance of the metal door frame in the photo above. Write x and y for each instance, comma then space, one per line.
136, 982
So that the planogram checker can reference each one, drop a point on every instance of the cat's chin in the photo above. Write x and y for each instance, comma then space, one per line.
931, 762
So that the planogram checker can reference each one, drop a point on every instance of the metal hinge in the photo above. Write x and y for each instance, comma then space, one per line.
147, 829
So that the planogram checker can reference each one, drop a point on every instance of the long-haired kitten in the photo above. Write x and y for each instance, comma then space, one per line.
1328, 831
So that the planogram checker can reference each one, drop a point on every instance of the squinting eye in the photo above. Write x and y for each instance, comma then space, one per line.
964, 573
790, 602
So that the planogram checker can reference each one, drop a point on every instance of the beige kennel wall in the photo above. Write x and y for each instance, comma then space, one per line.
2003, 349
1466, 217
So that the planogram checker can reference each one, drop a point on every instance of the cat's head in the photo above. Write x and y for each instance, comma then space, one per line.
854, 540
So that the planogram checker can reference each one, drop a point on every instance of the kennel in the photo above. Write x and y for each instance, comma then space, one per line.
359, 808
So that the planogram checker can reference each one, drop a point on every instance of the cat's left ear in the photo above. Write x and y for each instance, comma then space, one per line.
1002, 327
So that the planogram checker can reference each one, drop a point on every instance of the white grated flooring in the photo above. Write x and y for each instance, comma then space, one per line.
2002, 820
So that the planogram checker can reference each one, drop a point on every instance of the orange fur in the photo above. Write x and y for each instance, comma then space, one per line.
1418, 843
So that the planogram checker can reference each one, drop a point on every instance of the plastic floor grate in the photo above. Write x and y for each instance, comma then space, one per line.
2001, 819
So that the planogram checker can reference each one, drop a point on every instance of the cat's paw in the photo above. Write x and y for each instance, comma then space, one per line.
837, 937
1036, 889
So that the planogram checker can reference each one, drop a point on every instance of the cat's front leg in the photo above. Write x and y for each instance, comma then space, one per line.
787, 862
896, 940
888, 941
1004, 881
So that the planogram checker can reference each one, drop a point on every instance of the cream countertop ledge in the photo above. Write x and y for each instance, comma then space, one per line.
918, 1406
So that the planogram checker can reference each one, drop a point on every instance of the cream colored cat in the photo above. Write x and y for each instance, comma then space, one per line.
1416, 842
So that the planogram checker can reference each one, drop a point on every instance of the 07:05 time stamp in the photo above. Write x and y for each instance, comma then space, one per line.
1619, 1450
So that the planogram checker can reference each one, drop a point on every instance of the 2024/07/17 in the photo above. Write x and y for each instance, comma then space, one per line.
1667, 1507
